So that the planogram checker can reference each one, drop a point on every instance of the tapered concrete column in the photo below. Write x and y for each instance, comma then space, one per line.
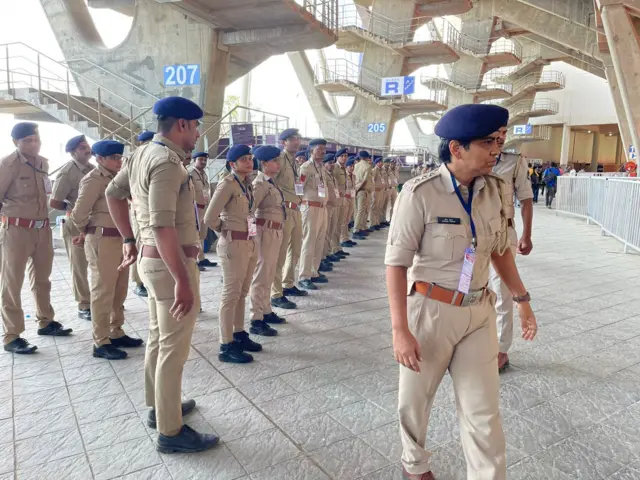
566, 141
623, 122
595, 147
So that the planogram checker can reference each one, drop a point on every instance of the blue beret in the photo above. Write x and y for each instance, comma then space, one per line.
74, 142
340, 152
178, 107
329, 157
254, 149
23, 129
200, 154
467, 122
350, 162
145, 136
376, 160
267, 152
104, 148
317, 141
301, 153
364, 154
237, 151
387, 160
288, 133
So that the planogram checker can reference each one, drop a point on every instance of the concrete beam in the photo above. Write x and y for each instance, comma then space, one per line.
125, 7
266, 35
552, 50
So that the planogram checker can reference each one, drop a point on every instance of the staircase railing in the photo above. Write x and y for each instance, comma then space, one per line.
324, 11
526, 106
464, 81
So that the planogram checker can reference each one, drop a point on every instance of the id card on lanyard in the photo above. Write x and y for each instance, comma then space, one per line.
47, 185
466, 274
252, 228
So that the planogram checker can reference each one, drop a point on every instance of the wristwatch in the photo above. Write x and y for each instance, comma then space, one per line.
522, 298
129, 240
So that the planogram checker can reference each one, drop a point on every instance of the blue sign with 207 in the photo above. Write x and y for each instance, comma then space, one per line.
181, 75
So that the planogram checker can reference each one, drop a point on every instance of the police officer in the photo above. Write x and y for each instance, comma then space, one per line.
447, 228
314, 216
301, 157
350, 201
340, 176
25, 236
513, 169
63, 197
378, 195
288, 180
364, 190
270, 217
156, 179
103, 245
145, 137
231, 214
333, 199
202, 191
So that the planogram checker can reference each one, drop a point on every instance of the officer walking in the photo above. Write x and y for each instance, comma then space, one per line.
288, 180
314, 215
103, 245
270, 218
364, 190
25, 237
231, 214
63, 197
447, 228
202, 191
162, 192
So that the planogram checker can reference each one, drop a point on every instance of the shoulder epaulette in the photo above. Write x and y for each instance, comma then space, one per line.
415, 182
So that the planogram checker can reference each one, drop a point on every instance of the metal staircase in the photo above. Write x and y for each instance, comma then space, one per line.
483, 87
538, 133
521, 111
533, 83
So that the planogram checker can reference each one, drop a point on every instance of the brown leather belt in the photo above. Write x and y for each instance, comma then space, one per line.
191, 251
200, 205
379, 189
25, 223
510, 222
106, 232
311, 203
291, 205
343, 195
236, 235
444, 295
269, 224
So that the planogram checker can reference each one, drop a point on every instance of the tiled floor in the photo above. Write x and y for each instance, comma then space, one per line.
320, 401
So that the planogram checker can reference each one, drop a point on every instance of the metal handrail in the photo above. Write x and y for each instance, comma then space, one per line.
538, 132
470, 83
525, 106
532, 79
325, 11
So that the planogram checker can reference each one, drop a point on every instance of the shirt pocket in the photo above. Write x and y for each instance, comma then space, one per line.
26, 186
445, 242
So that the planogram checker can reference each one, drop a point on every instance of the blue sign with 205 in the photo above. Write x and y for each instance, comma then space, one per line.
377, 127
181, 75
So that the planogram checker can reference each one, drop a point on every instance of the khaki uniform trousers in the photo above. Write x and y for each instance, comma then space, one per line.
362, 210
25, 249
108, 287
78, 265
340, 214
290, 250
332, 225
169, 342
504, 300
349, 207
268, 244
314, 230
238, 260
393, 194
203, 233
462, 340
135, 276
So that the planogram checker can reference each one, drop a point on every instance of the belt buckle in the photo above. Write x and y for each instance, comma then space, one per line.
472, 298
38, 223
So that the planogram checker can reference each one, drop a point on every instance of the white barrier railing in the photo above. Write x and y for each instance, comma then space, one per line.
610, 202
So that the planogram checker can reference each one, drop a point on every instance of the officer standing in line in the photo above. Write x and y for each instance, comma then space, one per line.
145, 137
288, 180
63, 197
202, 192
301, 157
393, 190
377, 197
340, 176
270, 218
364, 188
385, 172
350, 197
447, 228
156, 178
25, 237
231, 214
314, 216
103, 246
513, 169
332, 212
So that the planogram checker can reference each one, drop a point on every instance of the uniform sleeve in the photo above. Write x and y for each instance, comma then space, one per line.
119, 187
197, 186
407, 230
304, 175
221, 197
521, 182
7, 176
89, 193
165, 181
260, 192
61, 187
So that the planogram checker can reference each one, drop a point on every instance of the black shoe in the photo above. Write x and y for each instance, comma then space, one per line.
325, 268
141, 291
347, 244
109, 352
187, 408
126, 342
376, 227
84, 314
207, 263
358, 236
201, 268
20, 346
369, 230
273, 318
233, 353
307, 285
320, 279
55, 329
282, 302
187, 441
350, 225
245, 343
327, 263
260, 327
342, 254
333, 258
294, 292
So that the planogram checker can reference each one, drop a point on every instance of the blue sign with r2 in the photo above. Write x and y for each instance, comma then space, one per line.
377, 128
181, 75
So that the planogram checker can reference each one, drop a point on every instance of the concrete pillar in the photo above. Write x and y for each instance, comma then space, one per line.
595, 147
566, 142
245, 98
623, 123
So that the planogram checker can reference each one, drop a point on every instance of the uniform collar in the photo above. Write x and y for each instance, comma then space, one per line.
104, 172
160, 139
81, 167
445, 177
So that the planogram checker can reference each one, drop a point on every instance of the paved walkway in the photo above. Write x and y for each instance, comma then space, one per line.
320, 401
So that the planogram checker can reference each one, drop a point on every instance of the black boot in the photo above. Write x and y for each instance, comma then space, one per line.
245, 343
126, 342
260, 327
273, 318
283, 302
294, 292
307, 285
232, 353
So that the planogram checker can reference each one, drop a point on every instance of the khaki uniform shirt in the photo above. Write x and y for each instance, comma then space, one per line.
340, 177
363, 173
288, 176
332, 199
200, 186
161, 189
431, 231
376, 177
22, 187
312, 176
512, 169
66, 188
231, 206
269, 199
91, 208
350, 185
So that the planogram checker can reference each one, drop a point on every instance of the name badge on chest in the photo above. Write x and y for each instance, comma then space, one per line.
252, 228
322, 192
467, 270
47, 185
449, 220
299, 188
337, 192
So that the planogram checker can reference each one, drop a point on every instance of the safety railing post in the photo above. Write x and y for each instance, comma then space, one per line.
68, 93
39, 78
100, 125
131, 124
8, 70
